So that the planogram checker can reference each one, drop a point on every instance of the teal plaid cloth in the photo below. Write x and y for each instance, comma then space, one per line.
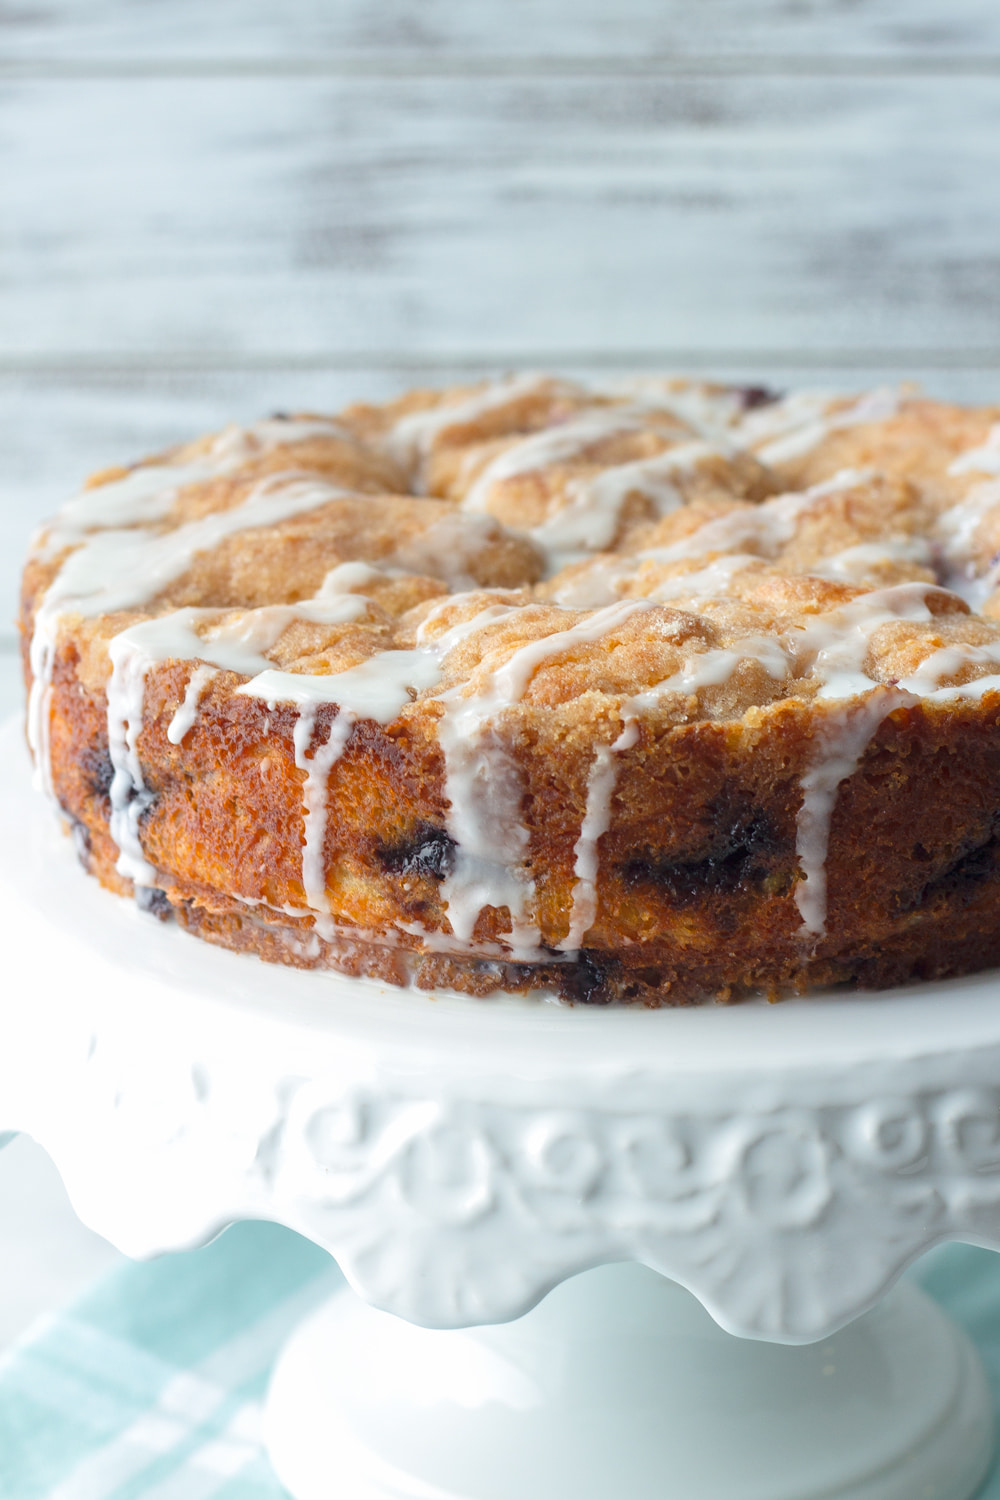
151, 1385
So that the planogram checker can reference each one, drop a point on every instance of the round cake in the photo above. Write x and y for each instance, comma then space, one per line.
651, 692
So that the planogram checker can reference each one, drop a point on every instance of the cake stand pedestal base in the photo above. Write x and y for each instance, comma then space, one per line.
619, 1384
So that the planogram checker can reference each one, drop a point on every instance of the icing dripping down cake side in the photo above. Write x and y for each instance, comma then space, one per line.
651, 692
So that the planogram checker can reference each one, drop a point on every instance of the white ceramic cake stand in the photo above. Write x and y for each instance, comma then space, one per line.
463, 1158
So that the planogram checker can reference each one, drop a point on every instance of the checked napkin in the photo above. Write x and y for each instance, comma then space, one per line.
150, 1386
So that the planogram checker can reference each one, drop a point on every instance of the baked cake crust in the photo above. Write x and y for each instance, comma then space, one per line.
653, 693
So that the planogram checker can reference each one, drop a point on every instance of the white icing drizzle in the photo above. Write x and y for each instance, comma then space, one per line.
130, 797
838, 643
412, 436
878, 405
484, 791
856, 564
747, 535
375, 689
710, 410
510, 682
834, 649
146, 494
982, 460
596, 821
710, 668
346, 578
957, 528
744, 536
446, 942
140, 498
185, 716
602, 583
796, 425
235, 645
589, 521
763, 530
235, 445
799, 415
958, 525
42, 655
448, 549
315, 796
555, 444
705, 583
123, 567
716, 666
760, 529
596, 585
484, 787
841, 643
443, 643
925, 682
842, 742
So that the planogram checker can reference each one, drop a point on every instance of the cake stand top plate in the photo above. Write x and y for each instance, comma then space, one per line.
459, 1156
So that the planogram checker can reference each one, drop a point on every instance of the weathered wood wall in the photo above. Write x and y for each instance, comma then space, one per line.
213, 208
323, 32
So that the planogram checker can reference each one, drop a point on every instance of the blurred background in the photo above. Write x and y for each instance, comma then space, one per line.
214, 209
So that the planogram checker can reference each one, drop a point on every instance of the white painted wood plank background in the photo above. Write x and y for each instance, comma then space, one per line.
505, 219
316, 32
211, 209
